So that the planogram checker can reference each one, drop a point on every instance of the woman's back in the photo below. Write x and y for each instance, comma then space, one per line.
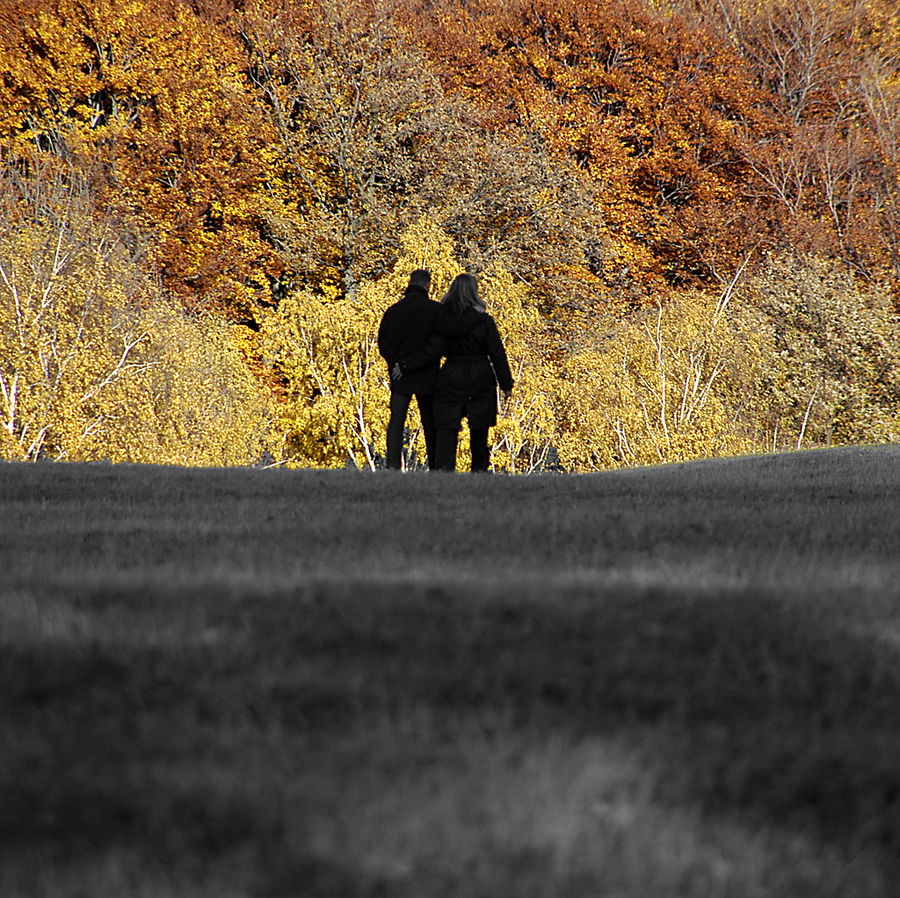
475, 334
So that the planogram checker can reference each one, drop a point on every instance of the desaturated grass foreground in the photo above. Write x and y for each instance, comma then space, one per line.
681, 681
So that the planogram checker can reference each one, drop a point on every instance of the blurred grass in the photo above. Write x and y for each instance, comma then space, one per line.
677, 681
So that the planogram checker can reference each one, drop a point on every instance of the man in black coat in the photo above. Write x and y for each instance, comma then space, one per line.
406, 328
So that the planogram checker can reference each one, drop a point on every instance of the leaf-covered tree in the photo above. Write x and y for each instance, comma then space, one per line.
369, 142
682, 381
833, 69
655, 114
153, 102
95, 362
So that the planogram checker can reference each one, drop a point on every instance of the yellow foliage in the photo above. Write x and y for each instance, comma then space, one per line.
324, 348
526, 425
300, 141
153, 101
674, 385
834, 370
325, 351
94, 362
797, 356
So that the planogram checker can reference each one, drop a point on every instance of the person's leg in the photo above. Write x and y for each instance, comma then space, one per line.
478, 443
446, 449
399, 407
426, 413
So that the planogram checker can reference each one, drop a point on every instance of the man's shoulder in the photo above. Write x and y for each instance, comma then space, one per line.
418, 305
393, 310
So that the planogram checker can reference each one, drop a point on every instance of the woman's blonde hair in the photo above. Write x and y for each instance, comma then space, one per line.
463, 295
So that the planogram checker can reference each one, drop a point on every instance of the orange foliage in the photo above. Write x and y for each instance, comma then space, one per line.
833, 69
604, 157
153, 100
656, 114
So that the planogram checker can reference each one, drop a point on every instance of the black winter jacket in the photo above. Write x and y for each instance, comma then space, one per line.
475, 363
406, 328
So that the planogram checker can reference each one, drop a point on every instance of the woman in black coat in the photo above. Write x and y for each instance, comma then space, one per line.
467, 382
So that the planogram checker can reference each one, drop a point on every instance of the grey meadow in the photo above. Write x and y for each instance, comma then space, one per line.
672, 681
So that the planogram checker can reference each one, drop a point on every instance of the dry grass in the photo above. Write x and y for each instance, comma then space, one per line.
679, 681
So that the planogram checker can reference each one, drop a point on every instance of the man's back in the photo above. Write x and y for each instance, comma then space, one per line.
406, 327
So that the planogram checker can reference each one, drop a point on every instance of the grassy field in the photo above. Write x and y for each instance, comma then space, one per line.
679, 681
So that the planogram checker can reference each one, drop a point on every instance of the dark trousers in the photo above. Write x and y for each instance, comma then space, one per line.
447, 439
397, 424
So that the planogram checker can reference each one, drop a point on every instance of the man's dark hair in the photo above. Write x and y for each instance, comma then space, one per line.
421, 277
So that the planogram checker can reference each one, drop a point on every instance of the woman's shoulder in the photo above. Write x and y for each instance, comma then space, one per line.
486, 322
450, 325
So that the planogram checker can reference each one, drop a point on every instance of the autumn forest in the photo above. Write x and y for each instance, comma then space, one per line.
684, 216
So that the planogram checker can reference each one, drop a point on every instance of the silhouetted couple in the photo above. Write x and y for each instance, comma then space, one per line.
415, 334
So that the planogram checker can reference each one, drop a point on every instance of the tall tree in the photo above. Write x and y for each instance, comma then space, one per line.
96, 362
369, 142
653, 113
153, 101
833, 70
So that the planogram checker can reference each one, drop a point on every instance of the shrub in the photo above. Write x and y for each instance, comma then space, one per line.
95, 362
835, 373
669, 385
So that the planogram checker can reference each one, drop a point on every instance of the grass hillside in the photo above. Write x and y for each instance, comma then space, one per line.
676, 681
